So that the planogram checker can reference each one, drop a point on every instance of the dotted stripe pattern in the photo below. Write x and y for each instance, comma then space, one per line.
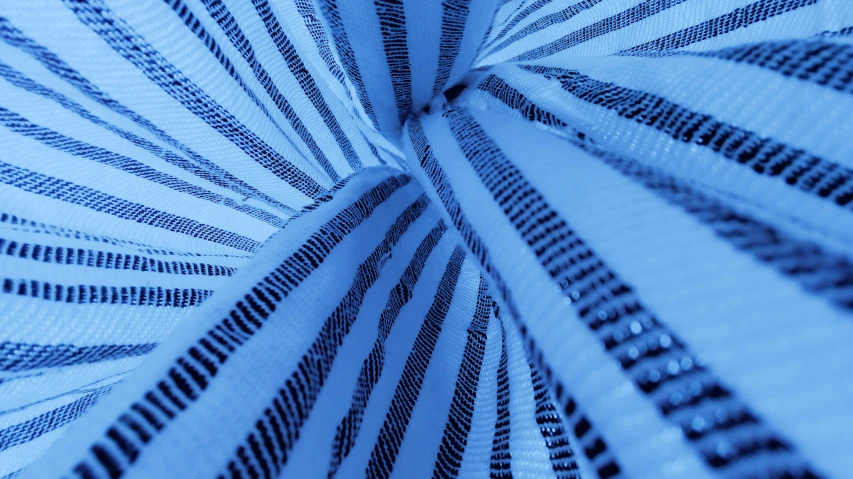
51, 61
269, 443
116, 33
191, 373
347, 56
18, 124
20, 80
59, 255
520, 14
742, 17
547, 21
764, 156
371, 369
62, 190
392, 19
306, 82
637, 13
15, 223
94, 294
17, 357
595, 447
814, 268
722, 429
195, 25
49, 421
815, 61
500, 464
553, 429
453, 20
392, 433
458, 425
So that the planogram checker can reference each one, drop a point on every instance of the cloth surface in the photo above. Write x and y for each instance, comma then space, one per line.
408, 238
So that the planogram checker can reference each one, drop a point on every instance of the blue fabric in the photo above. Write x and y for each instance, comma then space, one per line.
399, 238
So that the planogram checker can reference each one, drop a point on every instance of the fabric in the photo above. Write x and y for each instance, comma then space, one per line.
407, 238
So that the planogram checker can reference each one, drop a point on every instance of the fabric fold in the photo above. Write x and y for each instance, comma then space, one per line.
397, 238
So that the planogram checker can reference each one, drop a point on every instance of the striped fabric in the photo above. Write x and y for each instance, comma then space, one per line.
412, 238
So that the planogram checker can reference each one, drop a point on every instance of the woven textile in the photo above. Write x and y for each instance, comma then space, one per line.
422, 238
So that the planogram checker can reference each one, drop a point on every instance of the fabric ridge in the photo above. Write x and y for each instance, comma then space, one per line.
399, 239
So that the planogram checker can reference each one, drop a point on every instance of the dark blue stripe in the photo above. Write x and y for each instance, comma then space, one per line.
22, 224
375, 152
500, 462
52, 62
454, 17
42, 424
436, 176
16, 357
621, 20
812, 267
193, 23
120, 37
60, 142
96, 294
458, 424
371, 369
843, 32
295, 122
545, 22
498, 88
742, 17
399, 413
764, 156
815, 61
321, 40
62, 255
660, 364
815, 269
306, 81
392, 21
603, 459
521, 5
295, 400
553, 430
195, 26
347, 56
519, 16
202, 361
19, 80
95, 200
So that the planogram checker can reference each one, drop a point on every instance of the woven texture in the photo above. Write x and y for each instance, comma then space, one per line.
414, 238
